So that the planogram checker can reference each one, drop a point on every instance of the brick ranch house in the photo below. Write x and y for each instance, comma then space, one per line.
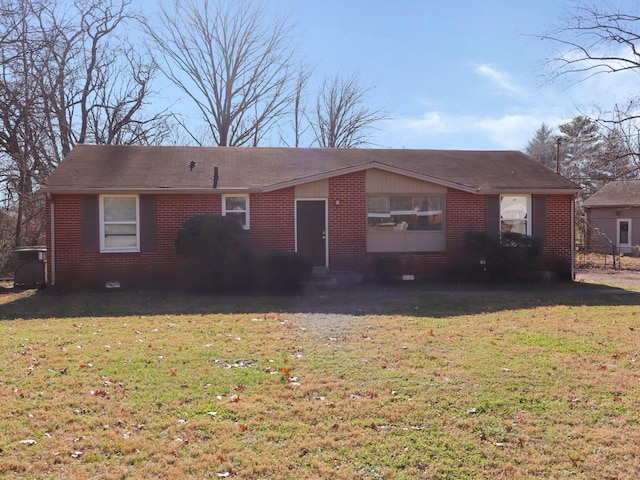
113, 212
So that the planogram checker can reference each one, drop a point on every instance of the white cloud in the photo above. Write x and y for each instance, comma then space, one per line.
435, 122
511, 125
596, 84
437, 129
509, 131
501, 79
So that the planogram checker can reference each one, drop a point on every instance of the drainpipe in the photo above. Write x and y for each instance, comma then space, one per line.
52, 281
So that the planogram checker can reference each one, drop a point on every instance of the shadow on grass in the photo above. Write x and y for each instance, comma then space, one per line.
427, 300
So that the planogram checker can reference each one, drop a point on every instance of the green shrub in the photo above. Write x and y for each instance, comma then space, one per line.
218, 257
500, 257
279, 271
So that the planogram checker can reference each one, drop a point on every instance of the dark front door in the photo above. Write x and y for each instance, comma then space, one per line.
311, 230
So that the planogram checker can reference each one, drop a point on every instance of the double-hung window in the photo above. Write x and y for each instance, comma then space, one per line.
515, 214
119, 225
237, 207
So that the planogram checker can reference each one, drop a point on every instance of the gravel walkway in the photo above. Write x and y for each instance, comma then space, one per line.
337, 312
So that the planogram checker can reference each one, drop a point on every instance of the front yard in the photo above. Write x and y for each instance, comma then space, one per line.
331, 385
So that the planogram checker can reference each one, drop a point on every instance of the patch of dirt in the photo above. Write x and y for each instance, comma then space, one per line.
608, 276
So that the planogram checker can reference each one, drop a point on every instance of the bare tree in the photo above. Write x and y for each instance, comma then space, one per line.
620, 160
586, 152
622, 130
595, 40
231, 61
123, 93
99, 85
18, 101
299, 107
67, 77
341, 118
602, 39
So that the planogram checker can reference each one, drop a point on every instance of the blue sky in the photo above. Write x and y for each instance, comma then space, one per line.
463, 74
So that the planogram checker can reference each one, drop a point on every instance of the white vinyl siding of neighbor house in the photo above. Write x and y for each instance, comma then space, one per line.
380, 186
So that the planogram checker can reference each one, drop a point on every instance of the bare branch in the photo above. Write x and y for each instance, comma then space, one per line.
233, 65
67, 77
595, 40
341, 119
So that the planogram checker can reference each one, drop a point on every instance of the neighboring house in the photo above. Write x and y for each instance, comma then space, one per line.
114, 212
613, 217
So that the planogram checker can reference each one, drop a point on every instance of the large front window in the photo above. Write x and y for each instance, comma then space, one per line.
404, 212
237, 207
119, 227
515, 214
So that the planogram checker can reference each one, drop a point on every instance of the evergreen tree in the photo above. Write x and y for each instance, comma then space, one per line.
543, 146
581, 149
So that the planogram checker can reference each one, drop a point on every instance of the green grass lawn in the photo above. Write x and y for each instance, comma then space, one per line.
368, 384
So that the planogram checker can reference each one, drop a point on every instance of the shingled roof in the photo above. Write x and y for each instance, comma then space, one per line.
622, 193
108, 169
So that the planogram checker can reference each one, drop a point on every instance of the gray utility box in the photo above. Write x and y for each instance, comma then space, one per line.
30, 266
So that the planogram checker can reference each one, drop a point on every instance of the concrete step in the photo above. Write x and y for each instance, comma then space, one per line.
324, 279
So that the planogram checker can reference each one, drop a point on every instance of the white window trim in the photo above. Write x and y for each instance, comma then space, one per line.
620, 220
103, 248
246, 211
529, 219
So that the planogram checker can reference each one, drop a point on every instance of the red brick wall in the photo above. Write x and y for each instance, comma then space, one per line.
272, 224
348, 225
557, 252
273, 227
347, 233
465, 211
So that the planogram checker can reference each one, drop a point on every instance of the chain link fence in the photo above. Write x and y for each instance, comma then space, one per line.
595, 250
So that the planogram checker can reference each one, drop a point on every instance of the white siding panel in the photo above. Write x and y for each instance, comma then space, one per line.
406, 242
425, 242
319, 189
379, 181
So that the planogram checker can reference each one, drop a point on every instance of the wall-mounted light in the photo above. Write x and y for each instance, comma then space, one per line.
337, 201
